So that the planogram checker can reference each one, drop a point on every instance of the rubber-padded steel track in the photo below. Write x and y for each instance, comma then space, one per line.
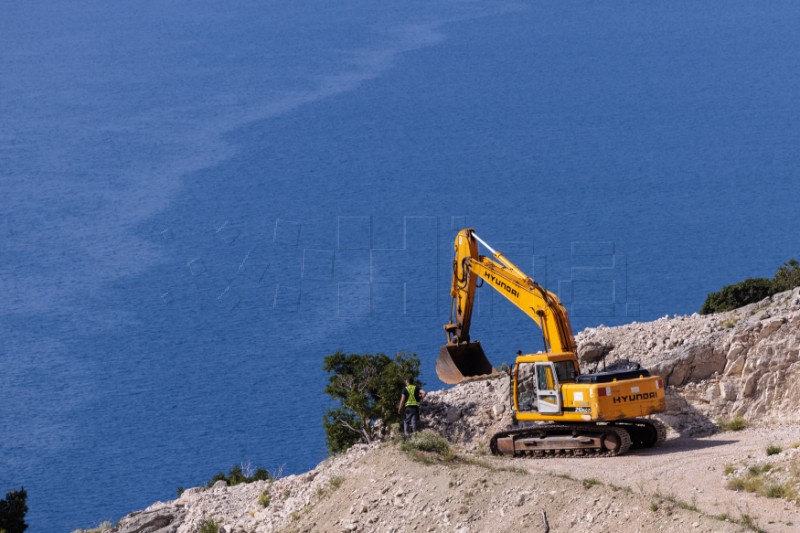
562, 440
645, 432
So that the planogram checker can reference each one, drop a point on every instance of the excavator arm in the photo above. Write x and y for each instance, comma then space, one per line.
460, 358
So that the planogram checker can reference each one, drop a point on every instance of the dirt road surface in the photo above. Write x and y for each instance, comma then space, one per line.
692, 470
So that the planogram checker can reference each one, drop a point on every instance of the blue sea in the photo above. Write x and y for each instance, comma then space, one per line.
200, 200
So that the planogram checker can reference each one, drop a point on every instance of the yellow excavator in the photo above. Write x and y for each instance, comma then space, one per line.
556, 410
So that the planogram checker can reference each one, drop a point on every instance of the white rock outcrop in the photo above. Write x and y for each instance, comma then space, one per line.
740, 363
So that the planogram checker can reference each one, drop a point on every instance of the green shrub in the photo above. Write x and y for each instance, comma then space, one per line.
208, 525
754, 470
617, 488
753, 290
787, 277
749, 522
733, 424
591, 482
776, 491
428, 440
333, 484
512, 469
734, 296
683, 504
747, 484
236, 475
12, 511
752, 481
264, 499
773, 450
367, 388
736, 483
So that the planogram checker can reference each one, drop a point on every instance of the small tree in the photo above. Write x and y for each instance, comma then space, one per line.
237, 475
787, 277
367, 388
12, 511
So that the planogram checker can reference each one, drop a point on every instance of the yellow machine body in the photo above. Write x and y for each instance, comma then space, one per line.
634, 397
547, 386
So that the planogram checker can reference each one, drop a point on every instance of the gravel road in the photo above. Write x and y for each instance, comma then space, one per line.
693, 470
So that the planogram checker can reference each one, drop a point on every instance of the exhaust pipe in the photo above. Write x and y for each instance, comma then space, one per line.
457, 362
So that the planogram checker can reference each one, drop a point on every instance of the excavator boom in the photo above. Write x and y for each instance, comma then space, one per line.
460, 358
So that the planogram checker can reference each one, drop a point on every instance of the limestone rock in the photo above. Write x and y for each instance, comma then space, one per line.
740, 363
498, 409
592, 352
159, 520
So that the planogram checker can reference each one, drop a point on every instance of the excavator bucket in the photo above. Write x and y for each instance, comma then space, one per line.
460, 361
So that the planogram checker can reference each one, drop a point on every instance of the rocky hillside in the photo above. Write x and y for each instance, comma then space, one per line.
742, 363
380, 488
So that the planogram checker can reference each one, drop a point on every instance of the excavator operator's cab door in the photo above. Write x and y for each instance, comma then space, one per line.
548, 398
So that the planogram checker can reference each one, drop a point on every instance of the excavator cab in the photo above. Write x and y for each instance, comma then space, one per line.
536, 385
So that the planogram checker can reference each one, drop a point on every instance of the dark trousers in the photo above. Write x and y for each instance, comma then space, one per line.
411, 422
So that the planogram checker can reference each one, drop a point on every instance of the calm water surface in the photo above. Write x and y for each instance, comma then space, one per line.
199, 201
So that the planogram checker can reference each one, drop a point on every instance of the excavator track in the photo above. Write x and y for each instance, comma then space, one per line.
563, 440
644, 432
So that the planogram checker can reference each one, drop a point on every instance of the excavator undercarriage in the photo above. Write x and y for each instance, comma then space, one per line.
543, 440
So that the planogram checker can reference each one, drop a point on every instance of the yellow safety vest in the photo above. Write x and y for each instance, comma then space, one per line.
411, 400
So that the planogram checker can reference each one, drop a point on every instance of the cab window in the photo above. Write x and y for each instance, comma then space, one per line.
565, 371
544, 377
526, 386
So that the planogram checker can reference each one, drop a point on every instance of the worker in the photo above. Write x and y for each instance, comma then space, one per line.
409, 400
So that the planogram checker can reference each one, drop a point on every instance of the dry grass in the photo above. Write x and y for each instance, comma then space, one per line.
421, 445
755, 481
774, 450
732, 424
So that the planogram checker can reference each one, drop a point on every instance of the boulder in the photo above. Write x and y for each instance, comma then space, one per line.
592, 352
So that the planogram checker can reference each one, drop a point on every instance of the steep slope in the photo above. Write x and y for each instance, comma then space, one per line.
382, 489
